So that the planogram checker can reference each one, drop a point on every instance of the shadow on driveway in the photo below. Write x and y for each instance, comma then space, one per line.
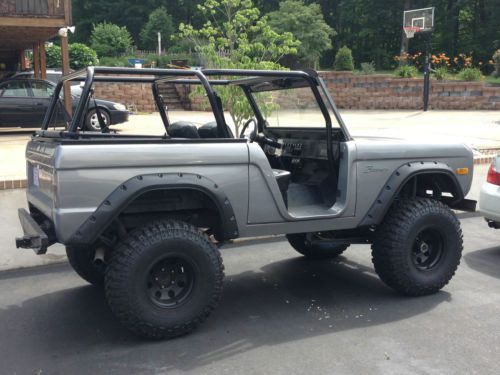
73, 330
486, 261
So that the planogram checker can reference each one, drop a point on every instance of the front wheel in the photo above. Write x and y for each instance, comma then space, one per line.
164, 279
92, 120
315, 250
417, 249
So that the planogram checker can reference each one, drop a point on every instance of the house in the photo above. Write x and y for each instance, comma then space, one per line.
27, 25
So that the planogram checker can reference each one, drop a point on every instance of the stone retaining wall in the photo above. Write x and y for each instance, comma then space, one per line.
349, 91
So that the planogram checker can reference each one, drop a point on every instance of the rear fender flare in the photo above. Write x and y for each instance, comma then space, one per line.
129, 190
398, 180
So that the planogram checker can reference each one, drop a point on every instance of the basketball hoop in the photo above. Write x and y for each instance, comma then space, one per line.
410, 31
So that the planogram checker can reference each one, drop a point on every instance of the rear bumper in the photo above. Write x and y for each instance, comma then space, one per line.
34, 236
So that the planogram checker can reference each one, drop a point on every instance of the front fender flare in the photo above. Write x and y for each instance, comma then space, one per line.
398, 179
118, 200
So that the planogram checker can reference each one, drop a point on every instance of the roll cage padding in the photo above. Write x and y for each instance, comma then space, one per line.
131, 189
398, 180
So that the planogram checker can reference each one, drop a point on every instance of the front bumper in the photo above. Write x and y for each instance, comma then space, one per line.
489, 203
118, 117
34, 237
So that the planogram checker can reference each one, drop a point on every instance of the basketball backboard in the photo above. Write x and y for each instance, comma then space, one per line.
421, 20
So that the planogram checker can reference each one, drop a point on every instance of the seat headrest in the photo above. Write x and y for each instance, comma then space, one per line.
183, 129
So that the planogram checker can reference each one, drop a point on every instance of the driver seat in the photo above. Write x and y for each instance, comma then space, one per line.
283, 179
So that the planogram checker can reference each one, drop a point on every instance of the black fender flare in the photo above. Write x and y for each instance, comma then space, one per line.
129, 190
398, 179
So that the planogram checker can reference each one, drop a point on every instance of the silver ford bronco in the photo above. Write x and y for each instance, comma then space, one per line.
145, 215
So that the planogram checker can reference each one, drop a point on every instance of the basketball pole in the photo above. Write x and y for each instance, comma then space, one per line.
427, 72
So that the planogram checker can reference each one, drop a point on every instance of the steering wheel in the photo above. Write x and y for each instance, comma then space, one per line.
245, 127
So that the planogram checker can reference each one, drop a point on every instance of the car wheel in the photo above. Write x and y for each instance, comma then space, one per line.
92, 121
164, 279
417, 249
82, 261
310, 250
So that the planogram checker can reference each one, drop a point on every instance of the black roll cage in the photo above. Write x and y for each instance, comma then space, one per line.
249, 80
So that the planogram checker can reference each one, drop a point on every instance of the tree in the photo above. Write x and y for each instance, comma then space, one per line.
307, 24
159, 22
108, 39
236, 36
53, 56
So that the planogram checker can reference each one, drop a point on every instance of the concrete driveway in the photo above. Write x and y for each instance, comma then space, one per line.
280, 314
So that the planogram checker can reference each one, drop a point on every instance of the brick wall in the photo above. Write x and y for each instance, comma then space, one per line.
386, 92
349, 91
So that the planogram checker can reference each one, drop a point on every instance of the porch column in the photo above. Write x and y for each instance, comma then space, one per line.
36, 61
65, 70
43, 61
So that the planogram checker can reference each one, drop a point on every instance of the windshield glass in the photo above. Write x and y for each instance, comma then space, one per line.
291, 107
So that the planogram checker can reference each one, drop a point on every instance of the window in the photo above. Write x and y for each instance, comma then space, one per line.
295, 107
14, 89
42, 89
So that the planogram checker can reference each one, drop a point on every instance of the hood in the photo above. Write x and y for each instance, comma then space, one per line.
373, 147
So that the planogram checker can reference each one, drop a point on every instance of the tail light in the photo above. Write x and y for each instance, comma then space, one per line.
493, 174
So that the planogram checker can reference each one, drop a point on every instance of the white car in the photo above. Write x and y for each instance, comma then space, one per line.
489, 199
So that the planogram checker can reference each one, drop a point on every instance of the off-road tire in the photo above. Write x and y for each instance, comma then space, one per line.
315, 251
128, 279
396, 250
82, 261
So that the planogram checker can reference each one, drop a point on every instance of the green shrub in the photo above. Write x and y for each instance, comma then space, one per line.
368, 68
406, 71
113, 61
496, 61
108, 39
344, 60
441, 73
81, 56
53, 56
470, 74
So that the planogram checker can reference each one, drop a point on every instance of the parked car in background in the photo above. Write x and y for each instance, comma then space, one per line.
489, 199
24, 101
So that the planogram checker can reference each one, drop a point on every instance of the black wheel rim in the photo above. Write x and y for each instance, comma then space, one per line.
427, 249
170, 282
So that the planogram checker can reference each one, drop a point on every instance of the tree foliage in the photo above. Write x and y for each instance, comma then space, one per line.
159, 22
236, 36
307, 24
108, 39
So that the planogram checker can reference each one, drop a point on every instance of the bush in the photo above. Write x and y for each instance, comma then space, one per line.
81, 56
406, 71
368, 68
344, 60
470, 74
108, 39
113, 61
53, 56
496, 62
441, 73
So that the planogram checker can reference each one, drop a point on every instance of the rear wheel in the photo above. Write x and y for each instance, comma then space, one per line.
315, 250
164, 279
417, 248
82, 261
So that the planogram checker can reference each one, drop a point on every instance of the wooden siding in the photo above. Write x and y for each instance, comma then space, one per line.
35, 8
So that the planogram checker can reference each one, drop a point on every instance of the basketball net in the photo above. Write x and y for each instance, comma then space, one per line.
410, 31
